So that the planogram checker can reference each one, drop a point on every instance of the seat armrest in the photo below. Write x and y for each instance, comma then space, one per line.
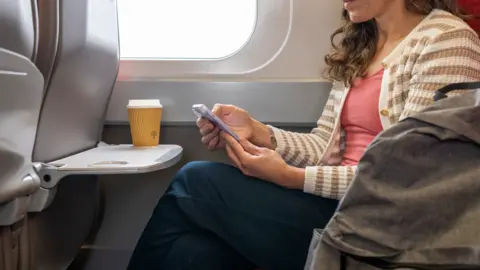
15, 210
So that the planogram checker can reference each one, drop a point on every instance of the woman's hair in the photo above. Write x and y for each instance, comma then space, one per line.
351, 57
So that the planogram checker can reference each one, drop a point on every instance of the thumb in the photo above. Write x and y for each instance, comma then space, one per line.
250, 147
221, 110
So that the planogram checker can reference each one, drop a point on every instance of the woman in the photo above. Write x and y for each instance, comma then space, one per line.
392, 56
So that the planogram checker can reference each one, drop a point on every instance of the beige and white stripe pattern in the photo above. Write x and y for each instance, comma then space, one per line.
441, 50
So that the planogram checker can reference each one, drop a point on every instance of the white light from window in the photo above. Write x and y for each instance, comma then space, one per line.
184, 29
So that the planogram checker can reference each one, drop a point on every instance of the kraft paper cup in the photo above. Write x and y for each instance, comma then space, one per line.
145, 116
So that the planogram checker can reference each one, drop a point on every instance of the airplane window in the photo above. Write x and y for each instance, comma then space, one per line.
184, 29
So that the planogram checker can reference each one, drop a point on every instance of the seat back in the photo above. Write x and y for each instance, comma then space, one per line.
82, 38
17, 26
82, 79
21, 91
20, 102
21, 88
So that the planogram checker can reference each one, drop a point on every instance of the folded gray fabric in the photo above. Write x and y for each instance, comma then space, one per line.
415, 201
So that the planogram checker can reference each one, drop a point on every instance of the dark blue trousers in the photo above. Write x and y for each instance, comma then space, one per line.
213, 217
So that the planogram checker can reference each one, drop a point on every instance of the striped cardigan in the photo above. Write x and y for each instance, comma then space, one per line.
441, 50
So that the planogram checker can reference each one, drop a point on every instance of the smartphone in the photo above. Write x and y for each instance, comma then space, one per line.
201, 110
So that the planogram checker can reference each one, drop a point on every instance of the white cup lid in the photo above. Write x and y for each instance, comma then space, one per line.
144, 103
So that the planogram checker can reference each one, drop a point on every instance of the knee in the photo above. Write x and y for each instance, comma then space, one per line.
193, 177
196, 170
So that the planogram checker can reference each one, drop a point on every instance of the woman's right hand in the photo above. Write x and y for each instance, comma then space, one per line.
237, 119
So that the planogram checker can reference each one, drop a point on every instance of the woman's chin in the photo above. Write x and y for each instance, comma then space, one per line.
358, 18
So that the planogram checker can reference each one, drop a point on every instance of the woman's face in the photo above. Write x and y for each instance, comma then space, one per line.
365, 10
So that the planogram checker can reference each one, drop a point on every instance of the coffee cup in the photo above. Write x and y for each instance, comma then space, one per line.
144, 116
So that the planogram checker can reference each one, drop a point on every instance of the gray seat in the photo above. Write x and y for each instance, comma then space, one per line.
78, 53
82, 80
20, 100
17, 26
21, 89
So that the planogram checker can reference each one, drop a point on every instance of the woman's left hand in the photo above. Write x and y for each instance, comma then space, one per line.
263, 163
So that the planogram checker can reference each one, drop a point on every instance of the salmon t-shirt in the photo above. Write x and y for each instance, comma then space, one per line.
360, 118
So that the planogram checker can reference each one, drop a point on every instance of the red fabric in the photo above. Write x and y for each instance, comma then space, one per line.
472, 7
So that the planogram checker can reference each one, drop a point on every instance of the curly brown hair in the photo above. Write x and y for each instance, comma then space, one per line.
352, 55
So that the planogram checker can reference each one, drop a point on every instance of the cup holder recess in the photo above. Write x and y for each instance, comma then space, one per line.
108, 164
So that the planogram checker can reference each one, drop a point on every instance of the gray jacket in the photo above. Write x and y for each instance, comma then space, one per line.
415, 201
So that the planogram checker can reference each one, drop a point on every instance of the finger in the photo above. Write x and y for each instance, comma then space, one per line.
236, 147
246, 146
208, 137
233, 157
201, 121
250, 147
206, 129
209, 142
217, 109
212, 144
221, 142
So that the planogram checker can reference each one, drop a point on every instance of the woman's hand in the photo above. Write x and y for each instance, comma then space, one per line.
263, 163
238, 120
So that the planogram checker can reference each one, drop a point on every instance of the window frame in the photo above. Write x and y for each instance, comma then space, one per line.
267, 40
185, 58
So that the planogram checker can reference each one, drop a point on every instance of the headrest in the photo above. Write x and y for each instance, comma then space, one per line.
472, 7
